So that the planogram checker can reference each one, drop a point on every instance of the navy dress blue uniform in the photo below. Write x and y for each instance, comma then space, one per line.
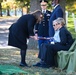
42, 29
52, 49
57, 12
19, 32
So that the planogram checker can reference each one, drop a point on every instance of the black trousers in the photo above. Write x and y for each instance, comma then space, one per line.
49, 53
51, 57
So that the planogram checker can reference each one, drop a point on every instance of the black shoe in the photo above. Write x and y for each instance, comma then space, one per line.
44, 65
37, 64
23, 65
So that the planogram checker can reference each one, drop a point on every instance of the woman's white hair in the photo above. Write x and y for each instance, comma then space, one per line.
60, 20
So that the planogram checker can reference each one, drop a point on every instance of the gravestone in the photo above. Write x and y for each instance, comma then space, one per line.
66, 17
75, 24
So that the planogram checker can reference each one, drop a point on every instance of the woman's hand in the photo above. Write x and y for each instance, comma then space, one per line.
34, 37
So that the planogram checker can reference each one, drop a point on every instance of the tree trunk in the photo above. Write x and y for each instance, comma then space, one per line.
63, 3
0, 10
34, 5
8, 12
15, 11
22, 11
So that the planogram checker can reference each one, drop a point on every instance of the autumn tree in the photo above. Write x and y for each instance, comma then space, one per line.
71, 6
6, 5
23, 3
1, 8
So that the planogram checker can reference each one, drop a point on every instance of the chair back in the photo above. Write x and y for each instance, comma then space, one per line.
73, 46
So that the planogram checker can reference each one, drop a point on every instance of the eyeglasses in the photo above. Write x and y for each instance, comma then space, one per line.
43, 5
56, 24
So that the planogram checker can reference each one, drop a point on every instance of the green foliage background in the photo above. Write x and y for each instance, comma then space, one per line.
71, 6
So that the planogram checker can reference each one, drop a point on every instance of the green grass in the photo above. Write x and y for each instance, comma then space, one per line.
70, 27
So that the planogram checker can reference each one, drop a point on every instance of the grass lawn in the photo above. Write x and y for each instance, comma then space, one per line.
10, 56
70, 27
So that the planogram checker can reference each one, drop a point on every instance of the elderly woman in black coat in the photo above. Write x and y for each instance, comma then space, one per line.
62, 40
23, 29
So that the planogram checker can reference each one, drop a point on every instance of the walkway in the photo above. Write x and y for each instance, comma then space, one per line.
4, 26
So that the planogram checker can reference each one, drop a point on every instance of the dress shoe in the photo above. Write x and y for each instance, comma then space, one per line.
45, 66
23, 65
42, 65
37, 64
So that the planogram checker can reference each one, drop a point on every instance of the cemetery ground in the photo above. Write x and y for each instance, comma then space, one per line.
9, 55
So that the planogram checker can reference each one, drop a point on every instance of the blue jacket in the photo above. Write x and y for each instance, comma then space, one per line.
57, 12
42, 28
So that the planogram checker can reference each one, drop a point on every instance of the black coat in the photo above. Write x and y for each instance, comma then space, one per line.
21, 30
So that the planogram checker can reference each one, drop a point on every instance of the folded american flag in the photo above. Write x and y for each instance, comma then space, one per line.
48, 38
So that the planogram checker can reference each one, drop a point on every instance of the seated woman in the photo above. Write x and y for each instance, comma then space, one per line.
62, 40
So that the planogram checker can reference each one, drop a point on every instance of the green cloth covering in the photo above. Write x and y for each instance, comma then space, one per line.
67, 59
72, 62
11, 70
